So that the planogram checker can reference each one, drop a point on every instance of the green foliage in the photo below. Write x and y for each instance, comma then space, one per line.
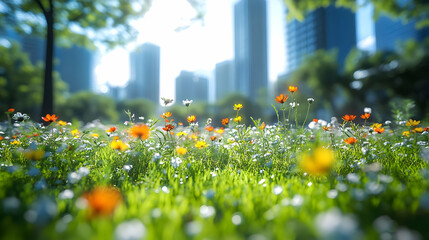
385, 76
406, 10
318, 76
21, 82
138, 107
88, 106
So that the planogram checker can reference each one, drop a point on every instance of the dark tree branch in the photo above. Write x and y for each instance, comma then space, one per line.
39, 3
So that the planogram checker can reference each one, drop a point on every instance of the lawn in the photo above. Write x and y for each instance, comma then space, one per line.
346, 178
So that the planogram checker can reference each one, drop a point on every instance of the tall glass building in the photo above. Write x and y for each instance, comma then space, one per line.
324, 28
224, 79
250, 47
385, 32
144, 73
191, 86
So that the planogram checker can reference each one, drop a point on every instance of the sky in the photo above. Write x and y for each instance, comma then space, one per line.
198, 47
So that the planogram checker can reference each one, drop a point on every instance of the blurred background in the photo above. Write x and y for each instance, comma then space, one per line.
110, 56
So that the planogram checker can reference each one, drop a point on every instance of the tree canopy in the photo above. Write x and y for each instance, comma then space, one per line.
406, 10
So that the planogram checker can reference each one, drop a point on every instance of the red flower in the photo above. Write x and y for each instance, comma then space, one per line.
110, 130
365, 116
350, 140
50, 118
168, 127
349, 117
11, 110
281, 98
225, 121
315, 120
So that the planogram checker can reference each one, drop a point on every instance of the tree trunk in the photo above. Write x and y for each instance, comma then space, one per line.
48, 88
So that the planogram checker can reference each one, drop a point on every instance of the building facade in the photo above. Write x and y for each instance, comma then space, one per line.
250, 47
324, 28
224, 79
191, 86
145, 73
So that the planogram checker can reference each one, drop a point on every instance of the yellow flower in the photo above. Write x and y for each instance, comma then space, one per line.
95, 135
62, 123
418, 130
16, 142
237, 107
193, 136
75, 133
412, 123
201, 144
219, 131
406, 133
376, 125
319, 162
119, 145
179, 134
34, 155
237, 119
181, 150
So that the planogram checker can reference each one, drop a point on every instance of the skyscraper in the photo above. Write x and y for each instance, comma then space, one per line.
224, 78
76, 67
144, 73
250, 41
324, 28
191, 86
385, 32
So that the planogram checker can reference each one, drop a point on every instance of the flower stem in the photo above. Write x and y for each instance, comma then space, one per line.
306, 115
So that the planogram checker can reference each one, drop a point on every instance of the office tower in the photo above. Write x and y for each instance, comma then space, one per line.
144, 73
191, 86
76, 67
75, 64
250, 41
385, 32
324, 28
224, 79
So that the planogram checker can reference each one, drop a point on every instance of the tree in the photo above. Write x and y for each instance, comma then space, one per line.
407, 10
67, 21
88, 106
21, 82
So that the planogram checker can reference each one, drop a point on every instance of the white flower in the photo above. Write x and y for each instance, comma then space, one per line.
310, 100
20, 117
175, 162
130, 230
187, 102
367, 110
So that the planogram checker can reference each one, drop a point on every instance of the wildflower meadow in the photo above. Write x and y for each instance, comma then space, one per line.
347, 177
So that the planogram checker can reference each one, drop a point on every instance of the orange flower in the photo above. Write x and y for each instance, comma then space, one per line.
350, 140
213, 138
225, 121
365, 116
209, 128
35, 134
102, 201
293, 89
191, 119
110, 130
168, 127
262, 126
180, 124
50, 118
426, 129
315, 120
140, 131
11, 110
1, 138
379, 130
325, 128
281, 98
349, 117
166, 115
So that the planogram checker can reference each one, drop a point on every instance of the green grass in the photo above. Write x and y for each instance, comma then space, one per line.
247, 184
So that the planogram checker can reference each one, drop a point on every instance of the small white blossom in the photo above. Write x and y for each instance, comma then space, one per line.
187, 102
